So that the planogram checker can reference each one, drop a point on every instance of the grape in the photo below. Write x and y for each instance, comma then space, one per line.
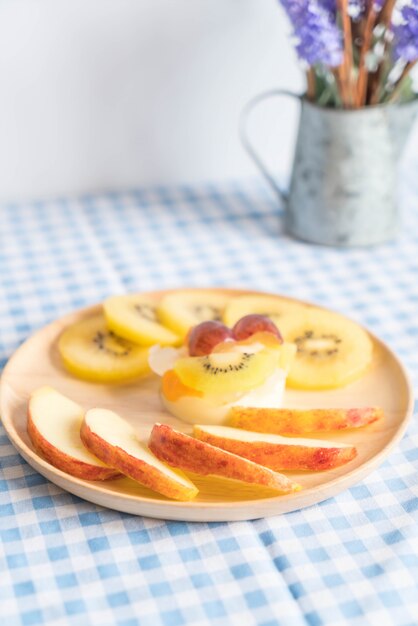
254, 323
205, 336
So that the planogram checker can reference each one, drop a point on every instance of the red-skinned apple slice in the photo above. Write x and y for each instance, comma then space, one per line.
113, 441
190, 454
276, 452
301, 421
54, 428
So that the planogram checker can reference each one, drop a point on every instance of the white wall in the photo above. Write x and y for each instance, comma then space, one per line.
109, 94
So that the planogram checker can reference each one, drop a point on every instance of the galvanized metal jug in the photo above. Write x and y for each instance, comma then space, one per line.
343, 184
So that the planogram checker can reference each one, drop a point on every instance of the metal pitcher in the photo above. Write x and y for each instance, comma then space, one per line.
343, 184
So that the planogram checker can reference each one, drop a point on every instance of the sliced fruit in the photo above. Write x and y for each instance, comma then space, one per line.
287, 354
259, 341
276, 452
183, 309
172, 388
299, 422
162, 359
256, 342
226, 372
113, 441
331, 350
213, 409
254, 323
274, 307
189, 454
134, 317
54, 428
204, 337
92, 352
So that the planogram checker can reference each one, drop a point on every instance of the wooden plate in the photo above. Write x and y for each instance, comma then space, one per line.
37, 363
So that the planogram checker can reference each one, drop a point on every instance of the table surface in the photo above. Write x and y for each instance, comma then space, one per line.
352, 559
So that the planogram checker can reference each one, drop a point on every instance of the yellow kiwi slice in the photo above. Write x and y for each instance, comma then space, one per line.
276, 308
183, 309
226, 372
92, 352
134, 317
331, 350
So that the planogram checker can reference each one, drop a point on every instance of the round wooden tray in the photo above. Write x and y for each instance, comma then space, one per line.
37, 363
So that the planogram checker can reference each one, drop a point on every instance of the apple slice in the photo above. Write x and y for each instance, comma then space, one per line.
300, 422
190, 454
113, 441
54, 428
276, 452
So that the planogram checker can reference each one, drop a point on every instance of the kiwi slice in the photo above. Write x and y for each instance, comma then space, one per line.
181, 310
134, 317
226, 372
91, 351
331, 350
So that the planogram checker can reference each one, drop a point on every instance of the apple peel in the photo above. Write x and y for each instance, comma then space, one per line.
113, 441
190, 454
276, 452
54, 429
300, 421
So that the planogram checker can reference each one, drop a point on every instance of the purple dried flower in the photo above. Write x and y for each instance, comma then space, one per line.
330, 6
357, 8
406, 33
318, 38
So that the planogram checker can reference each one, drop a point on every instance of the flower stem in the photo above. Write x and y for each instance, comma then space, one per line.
370, 21
378, 81
385, 15
347, 65
311, 84
339, 74
383, 18
398, 85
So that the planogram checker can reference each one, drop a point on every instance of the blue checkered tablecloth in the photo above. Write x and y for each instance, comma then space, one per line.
352, 559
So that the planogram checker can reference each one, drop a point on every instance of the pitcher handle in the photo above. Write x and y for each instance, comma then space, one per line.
245, 140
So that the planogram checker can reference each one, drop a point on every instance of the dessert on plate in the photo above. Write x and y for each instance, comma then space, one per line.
219, 368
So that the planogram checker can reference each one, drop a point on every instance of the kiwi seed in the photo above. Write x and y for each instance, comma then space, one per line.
146, 311
101, 341
207, 312
212, 369
310, 336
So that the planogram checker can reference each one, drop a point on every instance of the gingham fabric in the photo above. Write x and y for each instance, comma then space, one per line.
352, 559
